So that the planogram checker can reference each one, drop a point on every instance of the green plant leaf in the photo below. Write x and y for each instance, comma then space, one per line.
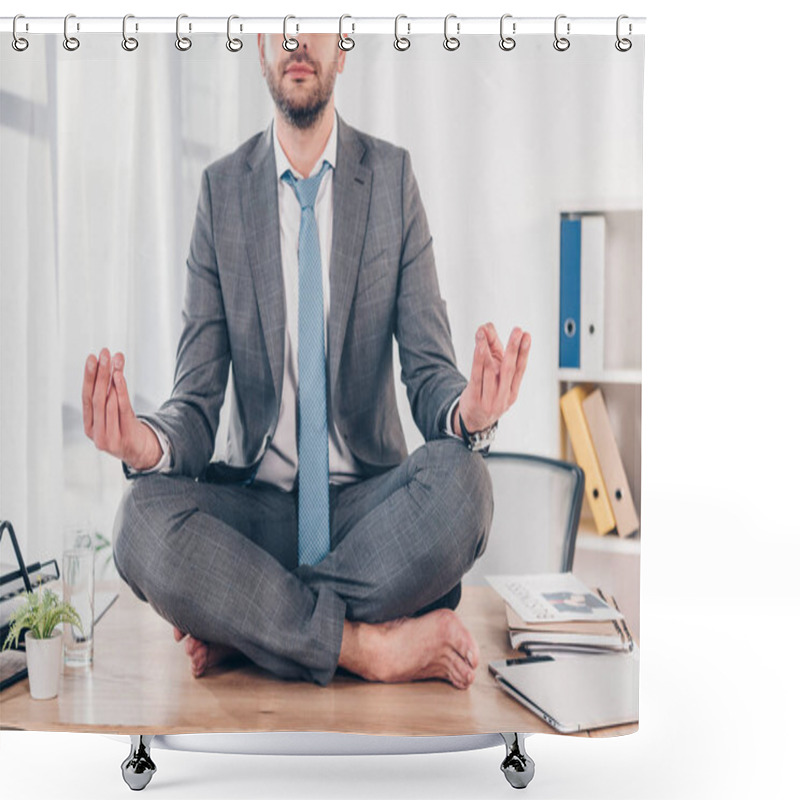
41, 612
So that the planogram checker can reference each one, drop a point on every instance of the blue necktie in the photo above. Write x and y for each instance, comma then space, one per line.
313, 519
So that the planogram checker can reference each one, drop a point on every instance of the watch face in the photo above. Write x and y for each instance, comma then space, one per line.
482, 439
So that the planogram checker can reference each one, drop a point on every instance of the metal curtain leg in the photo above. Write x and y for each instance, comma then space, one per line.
138, 768
517, 766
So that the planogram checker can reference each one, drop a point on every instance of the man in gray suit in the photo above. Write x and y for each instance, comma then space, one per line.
214, 546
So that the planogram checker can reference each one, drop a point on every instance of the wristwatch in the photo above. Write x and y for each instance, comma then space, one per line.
479, 440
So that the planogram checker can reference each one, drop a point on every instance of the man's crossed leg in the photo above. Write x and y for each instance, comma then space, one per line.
220, 563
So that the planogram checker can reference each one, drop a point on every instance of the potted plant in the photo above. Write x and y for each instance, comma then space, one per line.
38, 616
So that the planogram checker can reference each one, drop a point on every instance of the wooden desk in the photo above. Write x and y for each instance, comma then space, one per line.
141, 683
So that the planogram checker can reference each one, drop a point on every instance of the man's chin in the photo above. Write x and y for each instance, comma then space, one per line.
302, 115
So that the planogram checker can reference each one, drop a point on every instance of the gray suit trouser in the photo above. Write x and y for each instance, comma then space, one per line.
219, 561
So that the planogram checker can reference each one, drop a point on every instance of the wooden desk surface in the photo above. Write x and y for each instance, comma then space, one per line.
141, 683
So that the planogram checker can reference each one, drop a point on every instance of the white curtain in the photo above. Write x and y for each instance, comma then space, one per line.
30, 345
101, 156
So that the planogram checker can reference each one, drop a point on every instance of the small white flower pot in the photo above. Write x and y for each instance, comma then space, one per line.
44, 665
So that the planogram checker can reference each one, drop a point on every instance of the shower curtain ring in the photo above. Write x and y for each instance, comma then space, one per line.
346, 42
18, 42
70, 42
129, 43
451, 42
623, 45
561, 43
507, 42
289, 43
183, 43
233, 45
401, 42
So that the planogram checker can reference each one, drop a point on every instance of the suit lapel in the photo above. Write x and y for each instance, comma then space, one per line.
352, 187
263, 237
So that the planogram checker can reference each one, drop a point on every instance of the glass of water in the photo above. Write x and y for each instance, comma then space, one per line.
77, 575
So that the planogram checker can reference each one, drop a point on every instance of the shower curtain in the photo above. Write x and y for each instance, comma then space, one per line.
476, 238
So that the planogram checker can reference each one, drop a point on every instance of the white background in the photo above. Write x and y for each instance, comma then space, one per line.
720, 599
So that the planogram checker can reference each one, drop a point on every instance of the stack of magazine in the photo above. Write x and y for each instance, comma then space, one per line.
557, 612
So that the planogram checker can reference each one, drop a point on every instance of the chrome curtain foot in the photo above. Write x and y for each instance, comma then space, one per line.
138, 768
517, 766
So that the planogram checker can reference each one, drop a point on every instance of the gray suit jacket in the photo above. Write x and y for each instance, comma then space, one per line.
383, 283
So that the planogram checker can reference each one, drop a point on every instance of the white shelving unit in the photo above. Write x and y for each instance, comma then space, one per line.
620, 377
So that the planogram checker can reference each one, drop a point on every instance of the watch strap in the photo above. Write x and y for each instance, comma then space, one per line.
477, 440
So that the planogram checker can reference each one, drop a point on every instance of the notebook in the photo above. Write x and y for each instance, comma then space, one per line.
574, 692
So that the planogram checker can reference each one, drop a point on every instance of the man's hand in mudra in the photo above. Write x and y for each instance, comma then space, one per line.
108, 418
495, 378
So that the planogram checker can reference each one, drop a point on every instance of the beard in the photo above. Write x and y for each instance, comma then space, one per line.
302, 112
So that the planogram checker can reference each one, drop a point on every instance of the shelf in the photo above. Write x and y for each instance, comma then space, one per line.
622, 376
604, 205
610, 543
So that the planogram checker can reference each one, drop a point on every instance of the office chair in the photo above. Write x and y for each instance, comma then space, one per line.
537, 506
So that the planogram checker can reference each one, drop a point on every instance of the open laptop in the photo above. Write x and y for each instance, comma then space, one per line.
574, 692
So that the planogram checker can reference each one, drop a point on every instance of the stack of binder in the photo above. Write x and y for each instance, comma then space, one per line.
608, 492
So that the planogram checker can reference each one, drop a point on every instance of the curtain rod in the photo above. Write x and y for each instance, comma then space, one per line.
407, 26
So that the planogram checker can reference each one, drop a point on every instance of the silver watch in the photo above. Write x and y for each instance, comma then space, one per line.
479, 440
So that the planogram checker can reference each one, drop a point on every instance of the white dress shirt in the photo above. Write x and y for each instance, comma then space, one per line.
279, 465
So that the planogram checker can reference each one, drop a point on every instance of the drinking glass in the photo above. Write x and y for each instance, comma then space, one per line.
78, 581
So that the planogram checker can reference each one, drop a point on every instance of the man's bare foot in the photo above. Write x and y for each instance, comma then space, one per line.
435, 645
204, 655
